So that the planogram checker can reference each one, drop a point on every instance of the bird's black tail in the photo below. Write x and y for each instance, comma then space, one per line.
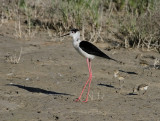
107, 57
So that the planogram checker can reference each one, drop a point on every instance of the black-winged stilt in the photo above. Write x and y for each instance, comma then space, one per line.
89, 51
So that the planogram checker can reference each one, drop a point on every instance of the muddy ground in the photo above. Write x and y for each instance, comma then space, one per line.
51, 74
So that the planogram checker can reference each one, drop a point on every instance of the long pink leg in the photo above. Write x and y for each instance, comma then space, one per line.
88, 62
89, 82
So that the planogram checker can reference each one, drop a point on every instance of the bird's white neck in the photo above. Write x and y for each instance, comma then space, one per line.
76, 36
76, 40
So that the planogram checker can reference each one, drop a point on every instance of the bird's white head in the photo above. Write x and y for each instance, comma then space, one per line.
74, 33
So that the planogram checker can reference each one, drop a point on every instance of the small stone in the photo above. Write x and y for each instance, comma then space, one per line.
38, 111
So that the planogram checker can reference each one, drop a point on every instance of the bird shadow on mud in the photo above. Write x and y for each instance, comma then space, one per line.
131, 93
106, 85
37, 90
128, 72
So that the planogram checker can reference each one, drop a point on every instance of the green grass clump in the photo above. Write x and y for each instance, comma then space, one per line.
135, 20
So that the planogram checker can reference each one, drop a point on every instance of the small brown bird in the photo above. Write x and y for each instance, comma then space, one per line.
143, 63
119, 77
141, 87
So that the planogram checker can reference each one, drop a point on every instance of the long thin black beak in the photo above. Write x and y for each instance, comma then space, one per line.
65, 35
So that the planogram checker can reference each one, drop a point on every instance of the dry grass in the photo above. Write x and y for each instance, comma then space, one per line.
131, 24
14, 59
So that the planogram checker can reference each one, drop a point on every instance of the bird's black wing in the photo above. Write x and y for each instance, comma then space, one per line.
92, 49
